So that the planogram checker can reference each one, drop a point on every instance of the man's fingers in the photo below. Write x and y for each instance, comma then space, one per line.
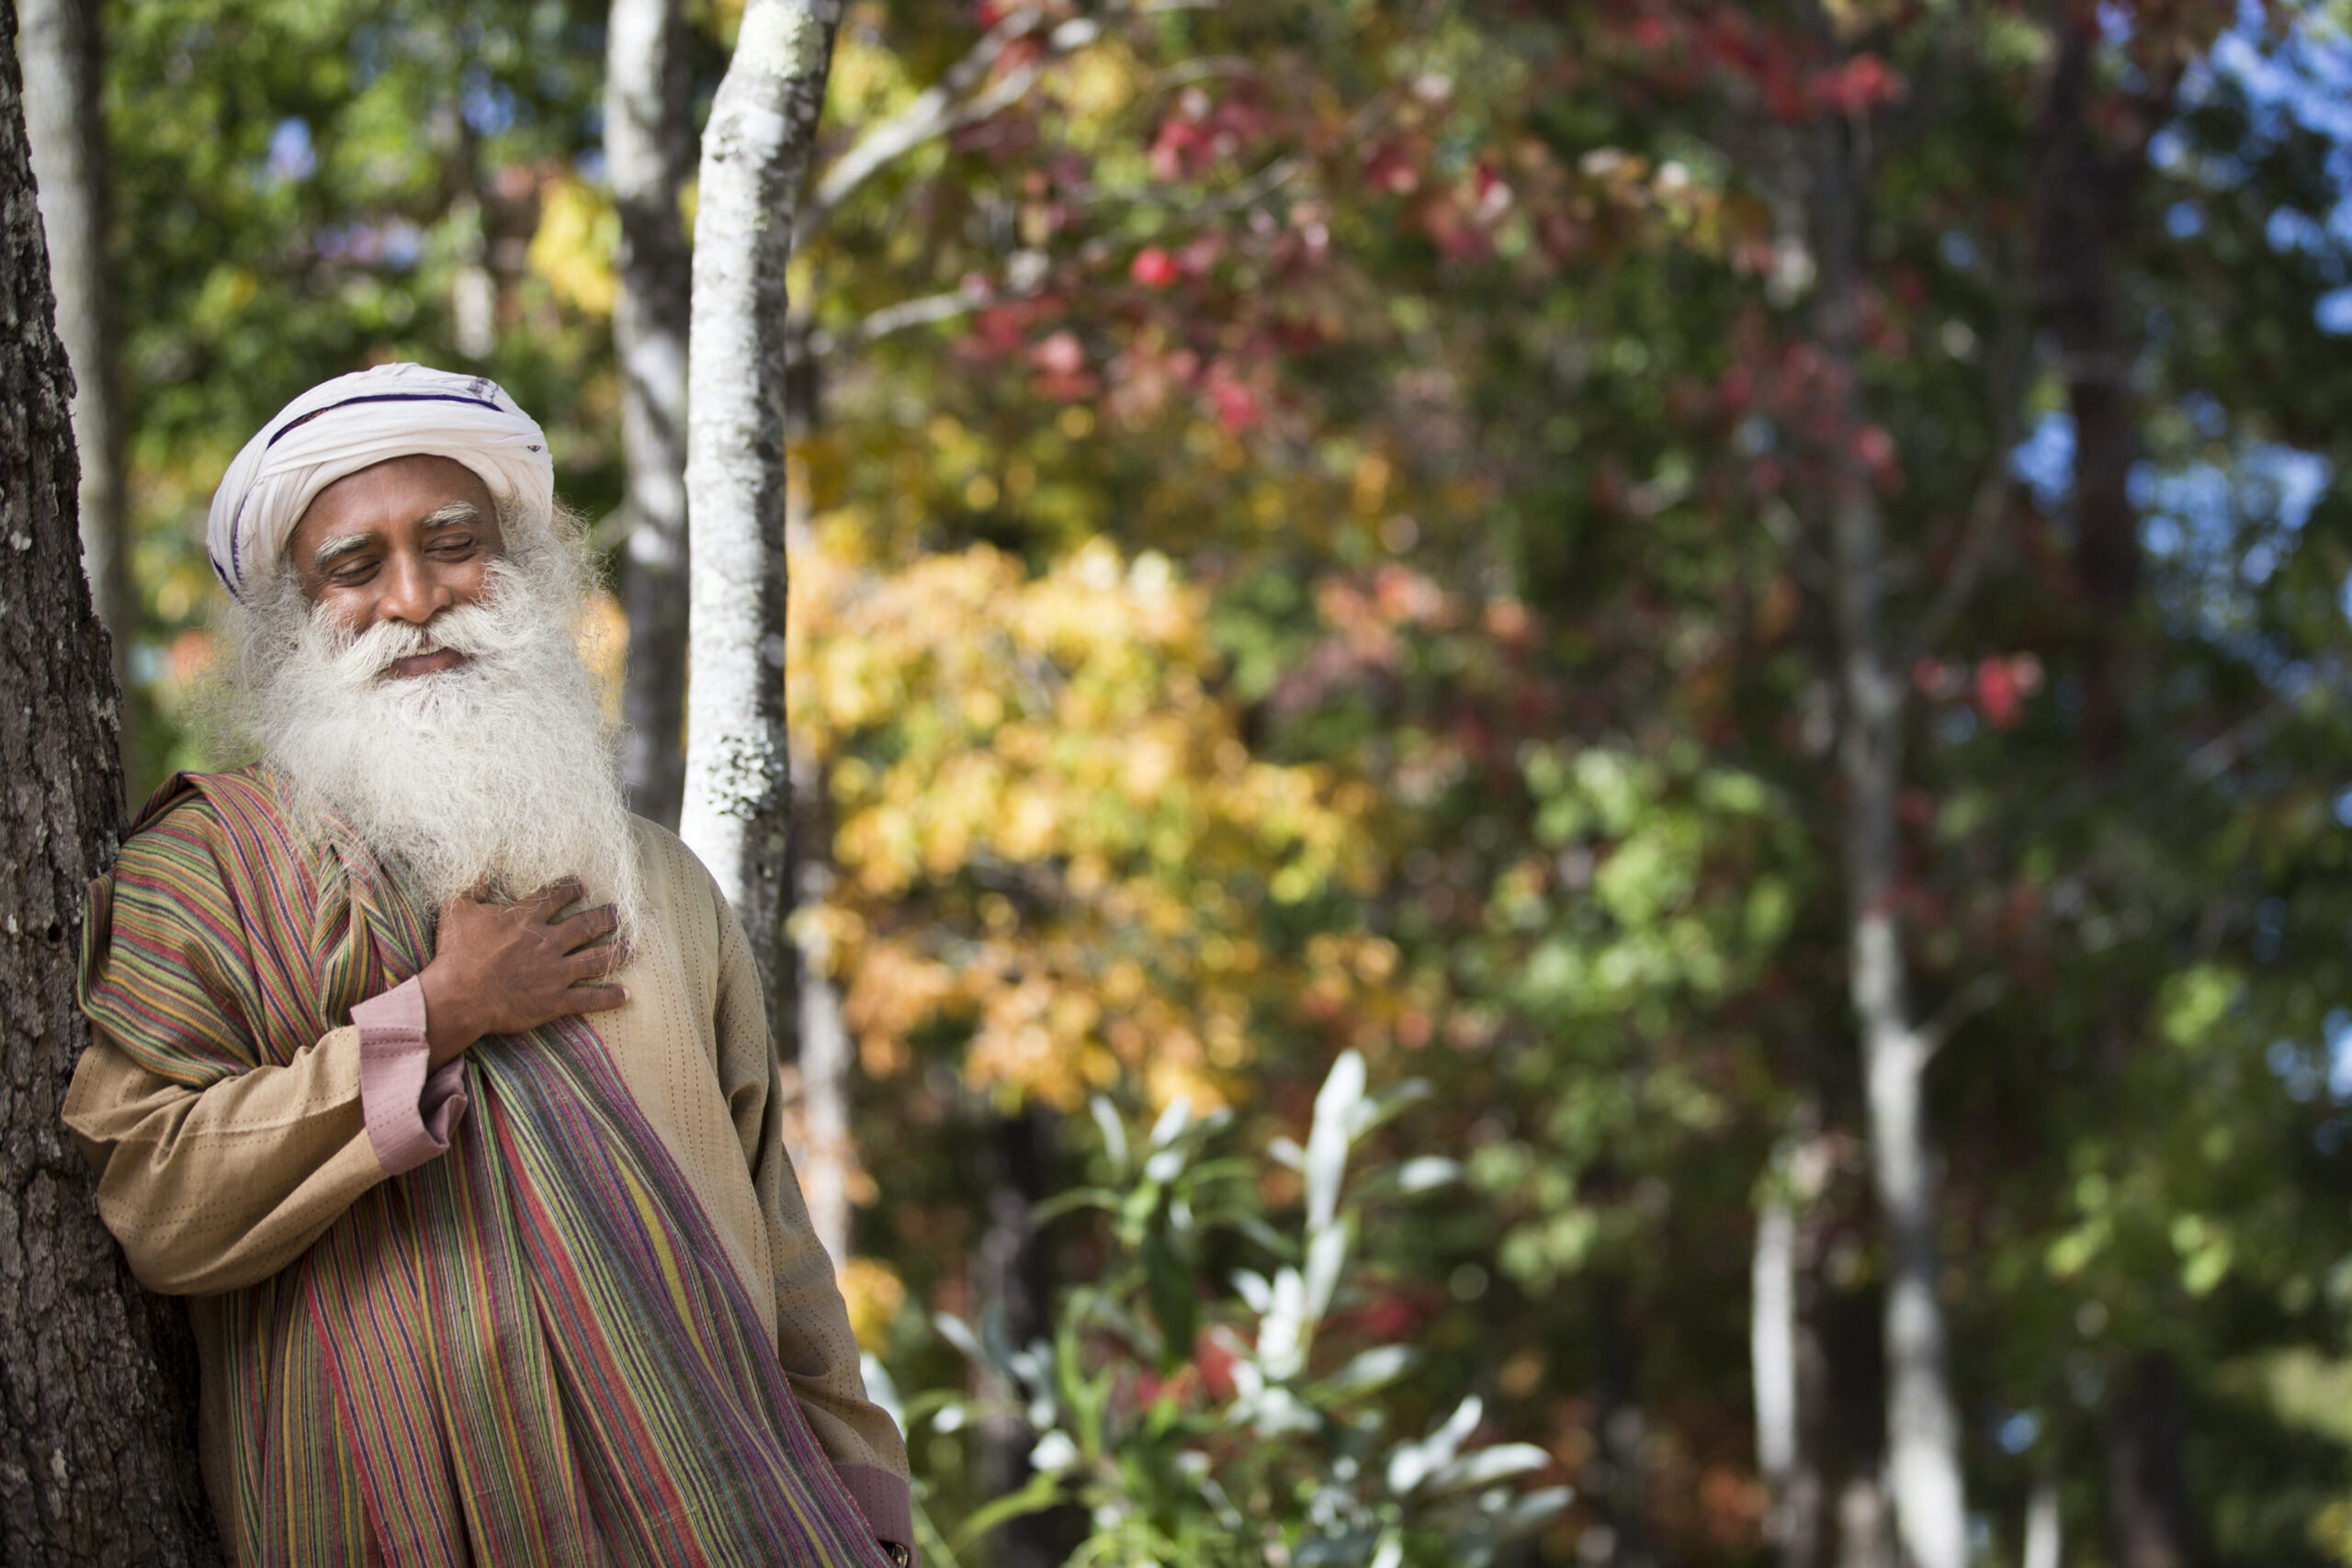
595, 999
590, 925
595, 963
557, 894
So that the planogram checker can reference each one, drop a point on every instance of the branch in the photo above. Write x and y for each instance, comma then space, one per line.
956, 101
1963, 1004
922, 312
2009, 356
938, 110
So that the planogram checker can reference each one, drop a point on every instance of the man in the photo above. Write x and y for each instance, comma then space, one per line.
440, 1083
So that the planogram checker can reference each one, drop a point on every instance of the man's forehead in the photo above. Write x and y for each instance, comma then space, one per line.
394, 493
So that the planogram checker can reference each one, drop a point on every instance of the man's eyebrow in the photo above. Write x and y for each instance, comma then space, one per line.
335, 549
450, 515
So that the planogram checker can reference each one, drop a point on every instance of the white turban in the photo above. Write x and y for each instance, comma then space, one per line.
355, 422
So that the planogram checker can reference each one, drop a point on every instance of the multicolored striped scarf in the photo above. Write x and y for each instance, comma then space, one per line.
532, 1350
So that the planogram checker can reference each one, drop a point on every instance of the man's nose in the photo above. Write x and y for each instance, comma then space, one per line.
412, 594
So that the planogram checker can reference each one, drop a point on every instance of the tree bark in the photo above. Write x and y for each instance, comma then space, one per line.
826, 1156
96, 1463
1923, 1478
648, 149
735, 812
1785, 1360
2088, 179
59, 47
2045, 1526
1016, 1295
2149, 1510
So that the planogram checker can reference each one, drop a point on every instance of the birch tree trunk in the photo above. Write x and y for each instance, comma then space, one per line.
2044, 1528
1772, 1352
1787, 1418
826, 1155
756, 150
1924, 1480
58, 45
96, 1389
648, 146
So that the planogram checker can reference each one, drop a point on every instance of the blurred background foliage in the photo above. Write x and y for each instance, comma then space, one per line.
1308, 550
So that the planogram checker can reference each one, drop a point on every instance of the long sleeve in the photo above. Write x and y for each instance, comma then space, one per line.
813, 1338
217, 1187
214, 1188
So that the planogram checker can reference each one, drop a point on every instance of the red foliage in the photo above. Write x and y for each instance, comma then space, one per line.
1996, 692
1154, 267
1856, 86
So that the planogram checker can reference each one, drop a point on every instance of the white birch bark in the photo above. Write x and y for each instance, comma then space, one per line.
1922, 1428
57, 43
649, 148
827, 1158
754, 155
2043, 1528
1772, 1348
1923, 1476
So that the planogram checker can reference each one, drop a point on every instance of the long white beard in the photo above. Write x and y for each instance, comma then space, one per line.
500, 773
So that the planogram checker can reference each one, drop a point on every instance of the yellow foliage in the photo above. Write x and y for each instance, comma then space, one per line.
875, 1295
1093, 85
572, 251
1052, 843
602, 638
867, 80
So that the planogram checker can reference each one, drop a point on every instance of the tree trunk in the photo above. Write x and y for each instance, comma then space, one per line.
648, 147
754, 154
1863, 1539
2149, 1510
2044, 1528
2088, 179
825, 1155
59, 47
1924, 1480
1784, 1359
97, 1464
1016, 1297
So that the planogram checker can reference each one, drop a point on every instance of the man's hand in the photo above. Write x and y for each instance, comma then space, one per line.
506, 968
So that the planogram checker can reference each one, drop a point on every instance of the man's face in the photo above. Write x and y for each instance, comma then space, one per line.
401, 541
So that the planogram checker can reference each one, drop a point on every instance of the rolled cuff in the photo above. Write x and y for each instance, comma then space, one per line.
411, 1114
883, 1498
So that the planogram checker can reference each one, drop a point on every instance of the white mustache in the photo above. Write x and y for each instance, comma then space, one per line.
359, 658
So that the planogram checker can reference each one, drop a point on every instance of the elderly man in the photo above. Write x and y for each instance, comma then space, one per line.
440, 1083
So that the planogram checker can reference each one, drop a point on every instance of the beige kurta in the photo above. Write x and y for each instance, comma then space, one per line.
214, 1190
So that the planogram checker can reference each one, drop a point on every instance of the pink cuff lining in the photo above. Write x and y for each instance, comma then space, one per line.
882, 1497
409, 1115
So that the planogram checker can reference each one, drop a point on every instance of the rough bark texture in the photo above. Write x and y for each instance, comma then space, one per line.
58, 45
97, 1465
648, 152
1923, 1478
2148, 1506
754, 154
